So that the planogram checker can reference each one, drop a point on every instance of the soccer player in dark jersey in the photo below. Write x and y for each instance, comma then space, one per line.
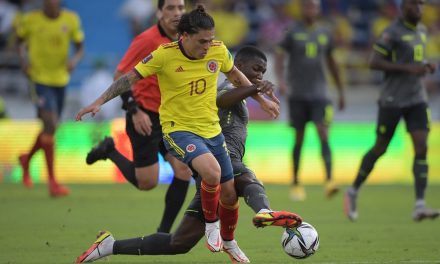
234, 117
142, 119
400, 54
187, 72
45, 37
308, 45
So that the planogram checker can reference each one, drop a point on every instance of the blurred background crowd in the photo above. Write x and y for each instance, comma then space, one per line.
110, 25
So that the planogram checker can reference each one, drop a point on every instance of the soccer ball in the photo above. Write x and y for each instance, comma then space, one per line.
300, 242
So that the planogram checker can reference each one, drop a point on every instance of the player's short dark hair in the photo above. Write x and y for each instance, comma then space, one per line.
160, 4
247, 53
195, 21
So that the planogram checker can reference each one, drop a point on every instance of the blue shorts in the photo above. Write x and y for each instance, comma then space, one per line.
186, 146
50, 98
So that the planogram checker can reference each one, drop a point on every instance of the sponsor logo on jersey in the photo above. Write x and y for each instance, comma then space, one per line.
212, 66
179, 69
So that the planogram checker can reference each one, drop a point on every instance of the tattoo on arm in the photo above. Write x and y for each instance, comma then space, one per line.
236, 82
118, 87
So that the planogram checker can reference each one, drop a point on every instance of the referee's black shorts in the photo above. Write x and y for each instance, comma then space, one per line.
145, 148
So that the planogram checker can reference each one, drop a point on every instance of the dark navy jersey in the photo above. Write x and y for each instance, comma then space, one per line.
402, 43
233, 122
308, 48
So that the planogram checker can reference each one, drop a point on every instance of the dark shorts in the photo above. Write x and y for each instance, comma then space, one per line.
243, 176
417, 117
145, 148
186, 146
50, 98
303, 111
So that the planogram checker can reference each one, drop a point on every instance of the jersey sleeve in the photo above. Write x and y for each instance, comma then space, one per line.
384, 44
224, 87
134, 54
77, 33
151, 64
228, 61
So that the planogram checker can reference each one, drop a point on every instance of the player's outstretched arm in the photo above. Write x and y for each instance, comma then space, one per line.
118, 87
229, 98
236, 77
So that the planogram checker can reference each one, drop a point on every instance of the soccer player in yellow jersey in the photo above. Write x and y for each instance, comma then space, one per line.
187, 72
44, 38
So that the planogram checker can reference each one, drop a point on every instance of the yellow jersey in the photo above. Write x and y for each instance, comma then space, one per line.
188, 87
48, 43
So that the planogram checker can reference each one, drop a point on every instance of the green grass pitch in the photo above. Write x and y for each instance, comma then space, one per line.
37, 229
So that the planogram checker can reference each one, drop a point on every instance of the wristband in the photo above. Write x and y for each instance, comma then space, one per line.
132, 108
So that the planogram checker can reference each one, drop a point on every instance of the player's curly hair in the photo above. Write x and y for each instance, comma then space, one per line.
195, 21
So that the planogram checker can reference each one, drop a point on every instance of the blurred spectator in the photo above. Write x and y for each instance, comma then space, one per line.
386, 14
431, 13
342, 6
252, 12
140, 13
7, 14
275, 27
3, 113
342, 36
94, 85
293, 9
433, 53
360, 13
230, 26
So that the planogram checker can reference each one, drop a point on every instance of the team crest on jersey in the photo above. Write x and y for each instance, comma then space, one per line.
147, 59
190, 148
64, 28
212, 66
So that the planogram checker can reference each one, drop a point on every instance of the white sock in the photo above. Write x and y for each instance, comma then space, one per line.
420, 203
264, 210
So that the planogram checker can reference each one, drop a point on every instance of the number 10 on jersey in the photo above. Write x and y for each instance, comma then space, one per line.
197, 87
